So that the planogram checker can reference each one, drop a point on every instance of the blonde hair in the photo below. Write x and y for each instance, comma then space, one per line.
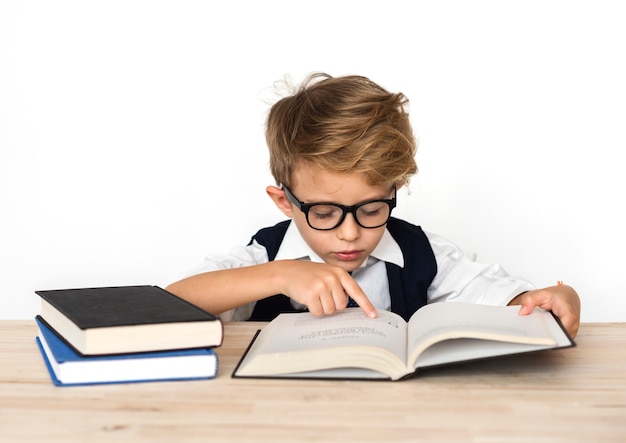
344, 124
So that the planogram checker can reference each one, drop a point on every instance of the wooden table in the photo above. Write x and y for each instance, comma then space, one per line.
569, 395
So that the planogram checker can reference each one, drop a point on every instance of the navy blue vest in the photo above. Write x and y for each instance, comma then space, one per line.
407, 285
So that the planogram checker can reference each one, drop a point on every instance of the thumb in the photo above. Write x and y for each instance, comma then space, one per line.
526, 308
527, 304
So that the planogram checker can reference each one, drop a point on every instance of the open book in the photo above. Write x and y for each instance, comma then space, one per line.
350, 345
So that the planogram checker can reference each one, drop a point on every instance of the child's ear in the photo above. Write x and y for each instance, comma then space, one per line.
280, 200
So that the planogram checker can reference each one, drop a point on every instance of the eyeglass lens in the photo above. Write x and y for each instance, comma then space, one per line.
369, 215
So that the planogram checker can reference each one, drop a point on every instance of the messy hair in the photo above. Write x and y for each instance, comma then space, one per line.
345, 125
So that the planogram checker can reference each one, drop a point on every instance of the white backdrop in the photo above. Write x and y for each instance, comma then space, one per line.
131, 132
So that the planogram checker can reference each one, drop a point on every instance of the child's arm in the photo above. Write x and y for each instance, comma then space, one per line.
562, 300
322, 288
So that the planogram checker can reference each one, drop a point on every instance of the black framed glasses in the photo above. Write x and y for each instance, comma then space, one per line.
326, 216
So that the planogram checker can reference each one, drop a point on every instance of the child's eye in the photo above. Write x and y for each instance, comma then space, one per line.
370, 213
373, 209
322, 212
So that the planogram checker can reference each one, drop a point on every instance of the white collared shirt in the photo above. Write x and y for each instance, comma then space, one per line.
459, 277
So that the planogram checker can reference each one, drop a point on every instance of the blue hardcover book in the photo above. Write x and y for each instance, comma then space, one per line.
67, 367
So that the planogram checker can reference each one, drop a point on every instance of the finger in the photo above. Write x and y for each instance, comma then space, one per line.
569, 319
354, 290
340, 299
541, 298
527, 307
315, 307
570, 324
328, 303
525, 302
532, 299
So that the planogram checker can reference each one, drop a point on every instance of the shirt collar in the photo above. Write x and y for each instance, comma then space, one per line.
293, 247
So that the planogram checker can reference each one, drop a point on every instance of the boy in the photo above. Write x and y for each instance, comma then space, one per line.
340, 148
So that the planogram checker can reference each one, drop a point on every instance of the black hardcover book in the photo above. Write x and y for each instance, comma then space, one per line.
125, 319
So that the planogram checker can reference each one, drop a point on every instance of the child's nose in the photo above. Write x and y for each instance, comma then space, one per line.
349, 229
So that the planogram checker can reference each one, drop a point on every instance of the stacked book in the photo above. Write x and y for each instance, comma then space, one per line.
125, 334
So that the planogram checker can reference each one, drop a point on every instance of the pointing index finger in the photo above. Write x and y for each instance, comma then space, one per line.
356, 293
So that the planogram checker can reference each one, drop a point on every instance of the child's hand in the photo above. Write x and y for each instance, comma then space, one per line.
562, 300
323, 288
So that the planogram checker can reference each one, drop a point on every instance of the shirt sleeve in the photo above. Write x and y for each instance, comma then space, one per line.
459, 278
239, 257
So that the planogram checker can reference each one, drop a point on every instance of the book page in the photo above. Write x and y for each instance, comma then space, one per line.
443, 321
297, 332
465, 349
347, 339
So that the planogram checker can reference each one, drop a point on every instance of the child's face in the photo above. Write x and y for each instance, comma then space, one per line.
349, 244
